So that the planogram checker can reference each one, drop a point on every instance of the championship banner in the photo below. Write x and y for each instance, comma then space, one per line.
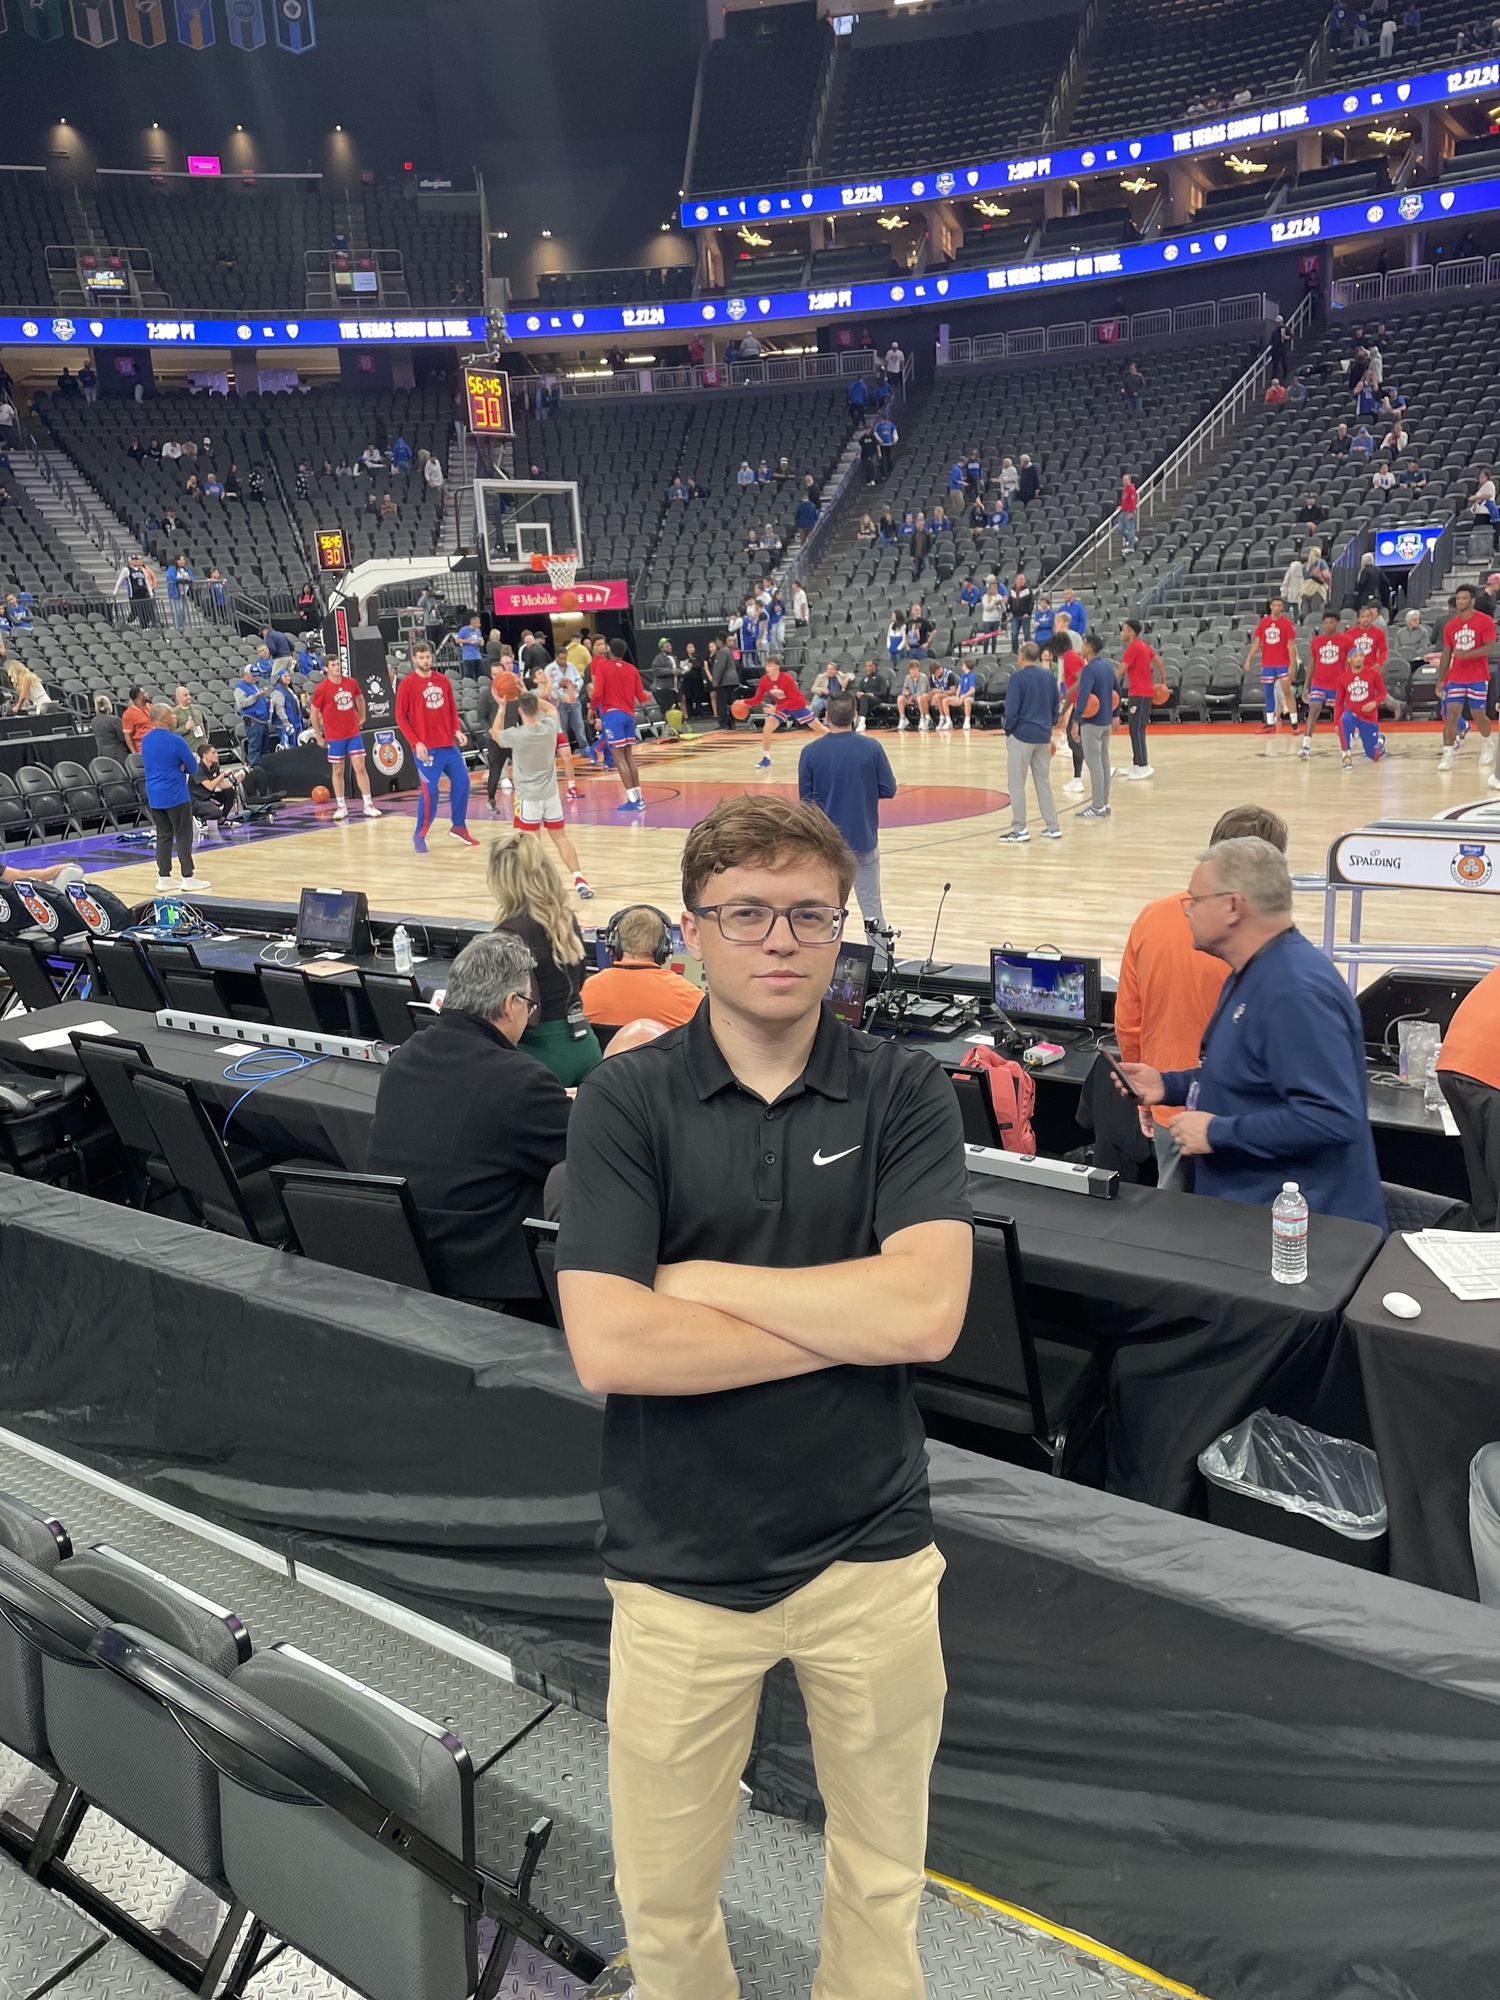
195, 23
145, 23
247, 23
94, 23
295, 31
516, 600
42, 19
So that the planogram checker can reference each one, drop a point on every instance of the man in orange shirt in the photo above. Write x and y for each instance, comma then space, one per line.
639, 985
1469, 1071
136, 719
1168, 990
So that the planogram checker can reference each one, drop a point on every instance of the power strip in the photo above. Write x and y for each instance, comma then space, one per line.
1065, 1176
264, 1035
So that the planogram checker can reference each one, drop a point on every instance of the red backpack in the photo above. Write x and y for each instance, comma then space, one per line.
1012, 1091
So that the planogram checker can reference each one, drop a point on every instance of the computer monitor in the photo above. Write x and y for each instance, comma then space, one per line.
1047, 992
851, 982
333, 920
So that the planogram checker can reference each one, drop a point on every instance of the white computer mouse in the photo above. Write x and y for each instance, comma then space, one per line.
1402, 1304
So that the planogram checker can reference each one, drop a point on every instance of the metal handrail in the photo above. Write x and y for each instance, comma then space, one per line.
770, 371
1416, 280
1058, 104
1186, 457
1245, 308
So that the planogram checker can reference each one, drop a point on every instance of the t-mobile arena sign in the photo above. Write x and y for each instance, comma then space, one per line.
515, 600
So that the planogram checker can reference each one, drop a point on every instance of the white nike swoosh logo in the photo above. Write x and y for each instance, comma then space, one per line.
820, 1161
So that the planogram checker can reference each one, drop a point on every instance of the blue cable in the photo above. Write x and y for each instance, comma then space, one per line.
289, 1062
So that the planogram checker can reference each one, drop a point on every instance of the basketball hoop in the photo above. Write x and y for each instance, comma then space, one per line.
562, 570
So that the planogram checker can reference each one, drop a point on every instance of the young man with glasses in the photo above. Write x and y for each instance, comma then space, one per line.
765, 1225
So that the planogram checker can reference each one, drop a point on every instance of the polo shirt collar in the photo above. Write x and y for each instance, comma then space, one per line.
827, 1070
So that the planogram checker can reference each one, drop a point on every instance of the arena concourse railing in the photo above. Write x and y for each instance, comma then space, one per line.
1097, 554
767, 372
1114, 329
1374, 288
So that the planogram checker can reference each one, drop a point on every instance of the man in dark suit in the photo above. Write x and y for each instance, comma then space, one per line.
475, 1125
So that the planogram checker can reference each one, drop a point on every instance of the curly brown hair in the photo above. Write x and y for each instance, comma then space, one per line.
762, 831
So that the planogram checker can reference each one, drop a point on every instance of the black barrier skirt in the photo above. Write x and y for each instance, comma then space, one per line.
1257, 1772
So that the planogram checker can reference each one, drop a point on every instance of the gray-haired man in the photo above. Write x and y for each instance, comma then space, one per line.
475, 1125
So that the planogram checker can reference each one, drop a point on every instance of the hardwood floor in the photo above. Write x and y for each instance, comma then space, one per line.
1080, 893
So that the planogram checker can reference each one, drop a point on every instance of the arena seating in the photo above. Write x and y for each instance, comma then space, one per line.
261, 545
905, 104
1427, 46
647, 282
1211, 563
1070, 418
29, 557
35, 216
220, 245
1145, 69
625, 455
442, 253
759, 83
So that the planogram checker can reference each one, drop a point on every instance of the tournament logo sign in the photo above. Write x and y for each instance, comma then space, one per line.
387, 752
63, 329
40, 910
1410, 547
946, 183
1409, 207
1471, 867
736, 308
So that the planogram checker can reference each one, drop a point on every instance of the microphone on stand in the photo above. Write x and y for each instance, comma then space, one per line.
931, 964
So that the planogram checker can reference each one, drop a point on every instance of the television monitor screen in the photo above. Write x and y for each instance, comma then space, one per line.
1047, 990
329, 919
851, 982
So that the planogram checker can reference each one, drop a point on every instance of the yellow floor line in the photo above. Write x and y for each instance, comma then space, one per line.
1065, 1936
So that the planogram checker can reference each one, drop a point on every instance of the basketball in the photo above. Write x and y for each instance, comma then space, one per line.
538, 562
567, 600
739, 710
321, 795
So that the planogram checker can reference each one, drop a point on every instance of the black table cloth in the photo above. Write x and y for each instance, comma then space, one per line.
321, 1113
1180, 1288
1433, 1388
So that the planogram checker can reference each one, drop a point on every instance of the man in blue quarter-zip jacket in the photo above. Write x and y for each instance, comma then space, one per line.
1279, 1093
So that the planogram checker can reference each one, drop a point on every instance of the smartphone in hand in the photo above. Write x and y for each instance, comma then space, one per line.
1122, 1081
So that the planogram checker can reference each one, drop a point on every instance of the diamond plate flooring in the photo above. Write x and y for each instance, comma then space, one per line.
773, 1886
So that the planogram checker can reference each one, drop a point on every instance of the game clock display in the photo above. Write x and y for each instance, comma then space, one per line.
489, 402
333, 556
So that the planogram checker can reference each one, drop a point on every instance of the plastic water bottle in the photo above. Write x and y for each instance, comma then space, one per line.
401, 952
1289, 1236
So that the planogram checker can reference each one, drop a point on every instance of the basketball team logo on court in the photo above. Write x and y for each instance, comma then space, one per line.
387, 753
1472, 867
38, 908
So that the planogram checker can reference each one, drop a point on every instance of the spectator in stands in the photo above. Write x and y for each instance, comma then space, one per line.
1367, 395
921, 546
1022, 602
1362, 442
28, 695
859, 397
530, 905
1043, 620
251, 694
1317, 582
1276, 393
1132, 388
1169, 989
389, 506
171, 452
991, 612
475, 1124
1130, 504
432, 475
189, 721
746, 474
8, 421
136, 583
1397, 440
1412, 640
109, 737
915, 692
1073, 609
1483, 505
179, 585
806, 517
1310, 518
136, 719
832, 681
1008, 481
639, 984
1028, 482
1382, 479
168, 766
1387, 39
865, 532
277, 644
401, 457
287, 717
895, 365
678, 489
887, 437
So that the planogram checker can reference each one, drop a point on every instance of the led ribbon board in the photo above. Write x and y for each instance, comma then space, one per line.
1341, 222
1210, 134
46, 329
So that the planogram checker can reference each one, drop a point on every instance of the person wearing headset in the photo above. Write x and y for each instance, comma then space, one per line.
639, 984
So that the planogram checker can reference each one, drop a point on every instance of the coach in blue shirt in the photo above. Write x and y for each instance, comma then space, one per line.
168, 765
1031, 710
848, 775
1279, 1094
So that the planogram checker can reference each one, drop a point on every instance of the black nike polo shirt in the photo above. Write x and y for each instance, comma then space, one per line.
741, 1497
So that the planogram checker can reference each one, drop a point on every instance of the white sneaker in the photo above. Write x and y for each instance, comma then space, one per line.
1141, 771
1075, 785
966, 725
1445, 762
924, 724
859, 727
193, 882
944, 724
1014, 839
1347, 761
1493, 781
372, 811
901, 724
1306, 750
1052, 833
341, 812
505, 785
165, 886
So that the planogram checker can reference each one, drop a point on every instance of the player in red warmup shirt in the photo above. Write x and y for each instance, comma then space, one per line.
1361, 691
788, 704
1275, 637
1326, 656
614, 690
338, 716
1468, 647
427, 716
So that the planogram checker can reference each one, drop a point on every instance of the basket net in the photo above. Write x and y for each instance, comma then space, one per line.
563, 571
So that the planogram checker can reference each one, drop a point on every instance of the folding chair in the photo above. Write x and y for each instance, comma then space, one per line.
246, 1207
357, 1222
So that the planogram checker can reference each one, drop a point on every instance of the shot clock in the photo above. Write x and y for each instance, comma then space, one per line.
489, 402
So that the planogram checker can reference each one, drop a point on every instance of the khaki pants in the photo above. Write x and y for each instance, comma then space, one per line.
683, 1695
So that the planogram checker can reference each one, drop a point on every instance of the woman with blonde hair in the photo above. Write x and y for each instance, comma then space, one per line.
531, 904
29, 697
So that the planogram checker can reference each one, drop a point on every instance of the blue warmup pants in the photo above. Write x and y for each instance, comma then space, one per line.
445, 762
1369, 734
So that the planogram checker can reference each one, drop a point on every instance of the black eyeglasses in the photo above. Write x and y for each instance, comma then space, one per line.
753, 923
